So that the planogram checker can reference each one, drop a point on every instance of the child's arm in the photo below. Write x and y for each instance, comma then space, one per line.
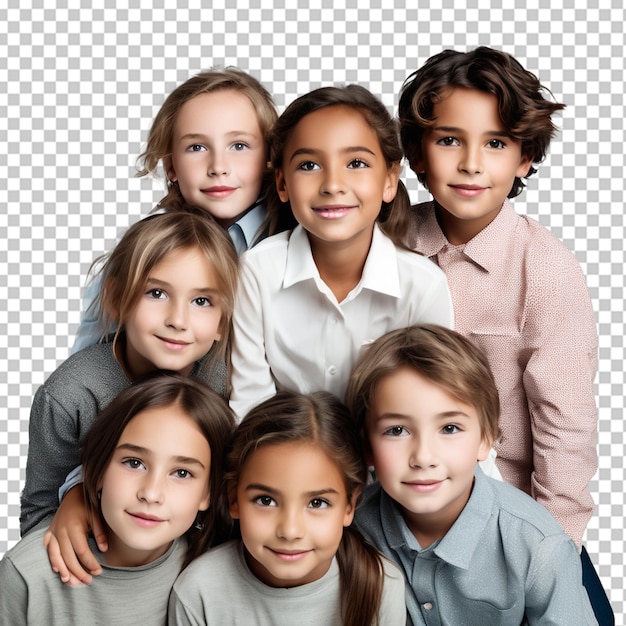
66, 540
251, 377
53, 451
558, 381
554, 590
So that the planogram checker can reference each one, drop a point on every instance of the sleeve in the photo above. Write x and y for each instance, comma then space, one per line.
53, 451
89, 331
559, 385
251, 377
554, 591
393, 606
75, 477
14, 595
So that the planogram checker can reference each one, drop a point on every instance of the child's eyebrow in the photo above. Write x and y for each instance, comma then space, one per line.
155, 282
271, 490
454, 129
141, 451
202, 137
346, 150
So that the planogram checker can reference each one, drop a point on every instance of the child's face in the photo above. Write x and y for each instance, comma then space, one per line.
424, 445
292, 505
469, 161
335, 176
177, 317
218, 154
154, 485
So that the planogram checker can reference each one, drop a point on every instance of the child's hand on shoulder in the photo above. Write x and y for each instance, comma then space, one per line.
66, 540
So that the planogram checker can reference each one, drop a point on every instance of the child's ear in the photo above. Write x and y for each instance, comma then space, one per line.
168, 166
205, 502
233, 505
484, 448
524, 167
281, 187
350, 508
391, 184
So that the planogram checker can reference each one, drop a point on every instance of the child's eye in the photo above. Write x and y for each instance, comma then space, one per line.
496, 143
356, 164
183, 473
450, 429
157, 294
265, 501
447, 141
202, 301
308, 166
133, 463
396, 431
196, 147
319, 503
240, 145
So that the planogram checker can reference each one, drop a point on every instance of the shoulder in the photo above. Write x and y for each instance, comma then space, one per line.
28, 556
213, 565
517, 510
92, 371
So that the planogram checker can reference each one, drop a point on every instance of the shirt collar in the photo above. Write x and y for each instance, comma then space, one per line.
485, 249
250, 223
379, 274
458, 545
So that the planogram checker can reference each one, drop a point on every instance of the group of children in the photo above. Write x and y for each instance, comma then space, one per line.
345, 295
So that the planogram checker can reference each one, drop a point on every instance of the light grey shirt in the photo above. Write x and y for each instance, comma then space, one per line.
218, 588
32, 594
505, 561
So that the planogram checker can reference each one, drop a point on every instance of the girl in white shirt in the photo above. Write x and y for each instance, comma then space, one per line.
311, 297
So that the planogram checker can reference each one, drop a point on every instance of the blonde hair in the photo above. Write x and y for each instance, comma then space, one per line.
441, 355
159, 143
146, 243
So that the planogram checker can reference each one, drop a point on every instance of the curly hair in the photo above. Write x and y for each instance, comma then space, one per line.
523, 110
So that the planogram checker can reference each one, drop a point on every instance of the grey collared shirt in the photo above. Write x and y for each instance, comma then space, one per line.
505, 561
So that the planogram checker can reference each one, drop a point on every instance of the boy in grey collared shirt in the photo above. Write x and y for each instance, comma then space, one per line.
474, 550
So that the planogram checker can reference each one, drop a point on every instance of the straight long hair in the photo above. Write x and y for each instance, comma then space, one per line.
321, 420
206, 408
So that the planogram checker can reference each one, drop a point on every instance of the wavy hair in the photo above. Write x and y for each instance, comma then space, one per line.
523, 109
159, 144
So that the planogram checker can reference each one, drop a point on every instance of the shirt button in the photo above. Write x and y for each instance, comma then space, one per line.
428, 606
332, 370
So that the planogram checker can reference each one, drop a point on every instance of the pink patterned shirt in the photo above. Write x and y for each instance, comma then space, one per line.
520, 294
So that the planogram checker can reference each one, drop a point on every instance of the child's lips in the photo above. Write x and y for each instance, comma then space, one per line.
424, 486
173, 344
146, 520
468, 191
219, 191
289, 555
333, 211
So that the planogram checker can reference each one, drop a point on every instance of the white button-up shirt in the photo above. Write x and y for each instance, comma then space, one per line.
291, 333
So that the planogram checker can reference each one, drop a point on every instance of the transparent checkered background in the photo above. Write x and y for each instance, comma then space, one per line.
79, 88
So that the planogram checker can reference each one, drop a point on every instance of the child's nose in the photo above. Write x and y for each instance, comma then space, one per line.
290, 524
177, 315
151, 490
218, 164
472, 160
423, 453
333, 182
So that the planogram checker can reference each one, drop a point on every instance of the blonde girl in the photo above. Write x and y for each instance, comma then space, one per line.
169, 285
210, 139
311, 297
295, 470
152, 471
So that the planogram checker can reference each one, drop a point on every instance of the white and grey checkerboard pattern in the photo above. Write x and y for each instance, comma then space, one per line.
80, 86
